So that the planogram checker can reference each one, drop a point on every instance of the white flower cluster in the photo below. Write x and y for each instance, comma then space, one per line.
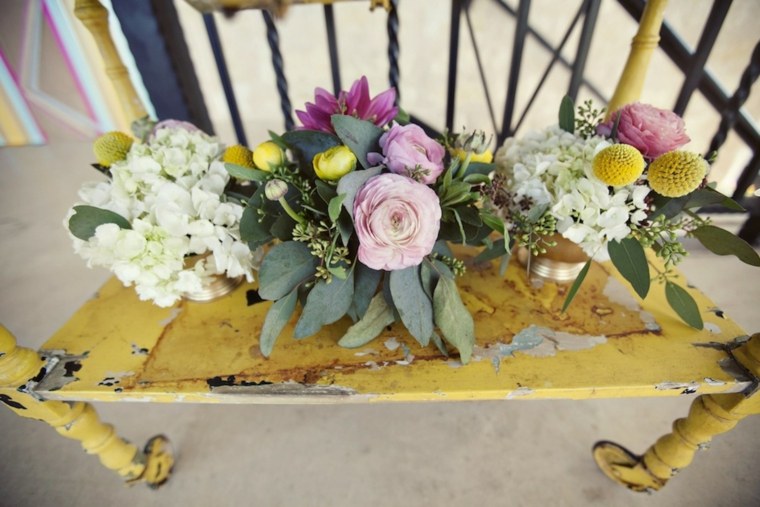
170, 189
552, 168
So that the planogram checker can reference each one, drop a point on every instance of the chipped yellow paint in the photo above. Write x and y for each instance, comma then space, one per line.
709, 416
208, 352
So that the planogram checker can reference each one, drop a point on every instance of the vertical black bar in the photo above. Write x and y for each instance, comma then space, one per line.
748, 176
456, 10
393, 49
332, 46
273, 39
521, 30
696, 65
224, 76
589, 24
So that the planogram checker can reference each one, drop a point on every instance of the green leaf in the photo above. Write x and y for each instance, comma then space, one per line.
306, 143
413, 305
277, 317
670, 207
345, 228
683, 304
254, 232
366, 281
360, 135
351, 183
326, 303
325, 190
282, 227
720, 241
333, 209
629, 258
245, 173
616, 125
492, 221
86, 219
567, 114
277, 139
378, 315
439, 344
496, 250
453, 319
576, 285
481, 168
285, 267
475, 179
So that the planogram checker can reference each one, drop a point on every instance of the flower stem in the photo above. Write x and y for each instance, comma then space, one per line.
295, 216
465, 164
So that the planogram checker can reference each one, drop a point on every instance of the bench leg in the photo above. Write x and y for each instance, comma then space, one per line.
709, 415
20, 366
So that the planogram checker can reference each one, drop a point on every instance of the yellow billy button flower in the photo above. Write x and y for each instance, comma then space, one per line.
238, 155
677, 173
333, 164
112, 147
486, 157
618, 165
268, 155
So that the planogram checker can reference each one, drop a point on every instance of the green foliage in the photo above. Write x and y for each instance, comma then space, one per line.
587, 118
366, 281
277, 317
721, 242
413, 304
683, 304
576, 285
245, 173
452, 318
86, 219
334, 207
285, 266
567, 114
360, 136
325, 304
305, 144
630, 260
378, 315
350, 184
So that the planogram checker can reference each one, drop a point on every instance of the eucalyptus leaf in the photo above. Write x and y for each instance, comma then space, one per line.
366, 281
282, 227
350, 184
361, 136
333, 209
492, 221
721, 242
378, 315
480, 168
306, 143
442, 248
345, 228
439, 344
245, 173
496, 250
683, 304
453, 319
285, 267
576, 285
476, 179
277, 318
630, 260
428, 278
325, 304
325, 190
567, 114
253, 231
413, 305
86, 219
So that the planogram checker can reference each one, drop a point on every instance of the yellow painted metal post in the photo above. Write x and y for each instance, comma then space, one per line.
19, 370
710, 415
645, 41
95, 18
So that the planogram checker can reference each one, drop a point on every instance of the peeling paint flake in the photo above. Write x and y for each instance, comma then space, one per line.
366, 352
520, 391
172, 315
712, 328
713, 382
391, 344
554, 341
691, 387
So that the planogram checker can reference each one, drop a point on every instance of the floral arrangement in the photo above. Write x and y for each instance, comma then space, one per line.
613, 188
355, 210
163, 203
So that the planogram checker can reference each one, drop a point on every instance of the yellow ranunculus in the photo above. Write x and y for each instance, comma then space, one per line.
486, 157
333, 164
268, 155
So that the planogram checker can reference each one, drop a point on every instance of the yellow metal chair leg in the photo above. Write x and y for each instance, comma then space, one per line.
709, 415
20, 368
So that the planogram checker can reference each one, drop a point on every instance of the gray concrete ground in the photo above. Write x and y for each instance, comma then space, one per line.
513, 454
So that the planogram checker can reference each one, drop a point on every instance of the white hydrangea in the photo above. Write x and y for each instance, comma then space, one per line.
553, 168
171, 190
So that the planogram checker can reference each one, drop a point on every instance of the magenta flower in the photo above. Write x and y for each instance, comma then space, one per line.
396, 220
651, 130
407, 150
356, 102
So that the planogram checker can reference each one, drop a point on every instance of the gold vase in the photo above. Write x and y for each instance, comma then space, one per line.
213, 287
561, 263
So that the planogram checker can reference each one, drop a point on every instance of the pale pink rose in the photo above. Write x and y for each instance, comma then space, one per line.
396, 220
176, 124
409, 151
650, 130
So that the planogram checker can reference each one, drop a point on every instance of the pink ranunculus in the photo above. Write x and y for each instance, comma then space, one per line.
651, 130
396, 220
409, 151
356, 102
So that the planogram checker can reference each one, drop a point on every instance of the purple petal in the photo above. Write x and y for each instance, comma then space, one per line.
381, 109
357, 99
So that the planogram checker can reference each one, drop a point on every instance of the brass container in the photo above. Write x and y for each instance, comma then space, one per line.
561, 263
214, 287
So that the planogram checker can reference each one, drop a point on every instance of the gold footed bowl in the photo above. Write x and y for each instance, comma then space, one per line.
213, 287
561, 263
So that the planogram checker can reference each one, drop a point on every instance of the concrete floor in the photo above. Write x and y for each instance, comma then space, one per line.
513, 454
